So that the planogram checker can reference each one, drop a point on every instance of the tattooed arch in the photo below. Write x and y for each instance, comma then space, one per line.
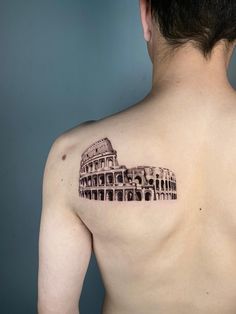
102, 178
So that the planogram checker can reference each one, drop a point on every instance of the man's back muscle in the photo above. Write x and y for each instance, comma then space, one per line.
165, 255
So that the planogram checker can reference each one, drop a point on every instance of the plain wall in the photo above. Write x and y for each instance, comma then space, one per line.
61, 63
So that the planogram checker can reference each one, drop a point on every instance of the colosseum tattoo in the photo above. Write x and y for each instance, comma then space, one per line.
102, 178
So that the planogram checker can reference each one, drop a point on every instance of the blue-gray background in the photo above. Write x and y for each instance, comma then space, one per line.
61, 63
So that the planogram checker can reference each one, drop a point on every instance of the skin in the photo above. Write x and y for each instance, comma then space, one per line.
170, 257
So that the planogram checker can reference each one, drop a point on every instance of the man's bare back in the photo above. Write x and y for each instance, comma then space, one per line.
166, 246
164, 256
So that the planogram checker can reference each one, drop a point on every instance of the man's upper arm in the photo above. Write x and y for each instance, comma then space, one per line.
64, 242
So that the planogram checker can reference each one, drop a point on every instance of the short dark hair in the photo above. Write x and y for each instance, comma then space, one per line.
204, 22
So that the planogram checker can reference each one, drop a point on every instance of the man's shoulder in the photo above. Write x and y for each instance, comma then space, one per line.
62, 165
70, 139
78, 136
68, 146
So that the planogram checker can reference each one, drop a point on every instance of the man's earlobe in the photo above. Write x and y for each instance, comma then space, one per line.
147, 37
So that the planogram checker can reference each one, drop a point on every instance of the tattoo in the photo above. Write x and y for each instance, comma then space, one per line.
102, 178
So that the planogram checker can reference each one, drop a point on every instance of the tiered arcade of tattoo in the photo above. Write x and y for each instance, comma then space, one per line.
102, 178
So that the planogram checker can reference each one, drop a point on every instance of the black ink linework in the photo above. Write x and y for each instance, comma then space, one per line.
102, 178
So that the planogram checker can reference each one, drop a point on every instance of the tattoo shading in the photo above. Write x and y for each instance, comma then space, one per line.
102, 178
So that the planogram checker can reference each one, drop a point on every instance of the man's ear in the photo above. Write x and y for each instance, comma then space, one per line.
145, 12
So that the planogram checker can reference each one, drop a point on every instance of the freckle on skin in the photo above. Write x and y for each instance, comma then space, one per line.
200, 209
61, 180
63, 157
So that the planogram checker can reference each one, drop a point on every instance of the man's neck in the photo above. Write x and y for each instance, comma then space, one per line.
188, 73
